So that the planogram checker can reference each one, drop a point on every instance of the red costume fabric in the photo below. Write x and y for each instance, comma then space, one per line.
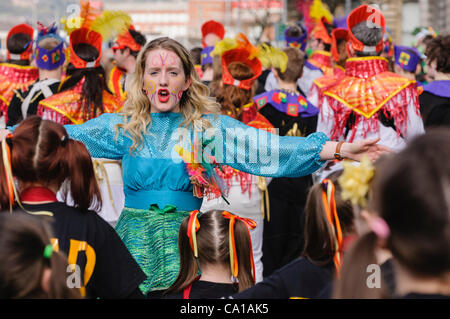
65, 107
322, 60
115, 83
366, 89
14, 77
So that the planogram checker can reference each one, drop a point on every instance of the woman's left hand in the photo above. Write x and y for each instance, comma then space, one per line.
356, 150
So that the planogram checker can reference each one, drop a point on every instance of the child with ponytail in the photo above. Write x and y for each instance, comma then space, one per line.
329, 229
40, 156
216, 244
409, 215
29, 267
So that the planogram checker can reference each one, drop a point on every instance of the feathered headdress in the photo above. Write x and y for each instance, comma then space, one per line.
108, 23
84, 35
212, 26
296, 42
49, 59
93, 27
374, 19
337, 34
25, 29
318, 10
407, 57
241, 50
125, 40
321, 32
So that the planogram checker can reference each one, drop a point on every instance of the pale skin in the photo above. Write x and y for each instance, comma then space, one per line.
125, 60
219, 273
404, 73
291, 86
316, 45
50, 74
436, 75
164, 74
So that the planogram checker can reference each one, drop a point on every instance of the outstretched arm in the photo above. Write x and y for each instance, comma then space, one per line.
99, 136
355, 150
264, 154
261, 153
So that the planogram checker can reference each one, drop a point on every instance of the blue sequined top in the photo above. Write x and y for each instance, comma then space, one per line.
155, 174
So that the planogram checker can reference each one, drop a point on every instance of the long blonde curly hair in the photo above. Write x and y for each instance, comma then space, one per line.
194, 102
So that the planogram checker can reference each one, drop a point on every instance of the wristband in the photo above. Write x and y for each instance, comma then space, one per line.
337, 153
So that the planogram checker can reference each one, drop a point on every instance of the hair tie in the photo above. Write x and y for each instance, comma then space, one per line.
48, 251
251, 224
329, 204
379, 226
64, 140
8, 140
13, 194
192, 228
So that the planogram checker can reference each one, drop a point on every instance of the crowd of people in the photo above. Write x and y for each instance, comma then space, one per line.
227, 170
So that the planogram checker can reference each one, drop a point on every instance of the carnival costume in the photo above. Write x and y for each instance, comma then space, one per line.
325, 81
158, 189
25, 102
14, 77
66, 107
295, 42
369, 101
316, 65
407, 58
319, 60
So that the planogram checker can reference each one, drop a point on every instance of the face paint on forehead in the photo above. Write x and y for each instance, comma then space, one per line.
162, 58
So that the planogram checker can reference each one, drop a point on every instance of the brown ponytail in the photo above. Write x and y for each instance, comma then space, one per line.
213, 248
83, 185
42, 153
320, 247
231, 97
355, 272
23, 239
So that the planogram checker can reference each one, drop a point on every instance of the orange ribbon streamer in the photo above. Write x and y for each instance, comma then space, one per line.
8, 172
192, 228
251, 224
333, 219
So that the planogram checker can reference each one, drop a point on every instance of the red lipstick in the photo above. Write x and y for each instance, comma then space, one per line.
163, 95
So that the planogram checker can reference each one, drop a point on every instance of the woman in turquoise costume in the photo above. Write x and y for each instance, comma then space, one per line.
166, 97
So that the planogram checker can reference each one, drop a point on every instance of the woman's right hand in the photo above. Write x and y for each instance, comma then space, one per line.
4, 133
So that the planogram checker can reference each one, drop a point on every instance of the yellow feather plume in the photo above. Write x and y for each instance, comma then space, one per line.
71, 24
223, 46
269, 56
244, 43
85, 18
111, 23
88, 13
319, 10
272, 57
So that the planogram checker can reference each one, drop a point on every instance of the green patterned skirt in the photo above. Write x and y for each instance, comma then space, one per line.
151, 236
